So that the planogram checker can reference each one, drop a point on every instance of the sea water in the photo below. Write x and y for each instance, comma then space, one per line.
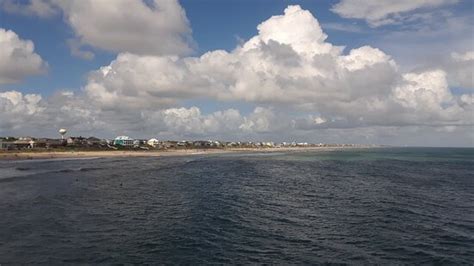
384, 205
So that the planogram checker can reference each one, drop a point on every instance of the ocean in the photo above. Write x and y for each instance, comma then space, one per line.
357, 206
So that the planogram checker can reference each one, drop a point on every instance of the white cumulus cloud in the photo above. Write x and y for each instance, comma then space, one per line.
18, 58
17, 109
293, 68
157, 27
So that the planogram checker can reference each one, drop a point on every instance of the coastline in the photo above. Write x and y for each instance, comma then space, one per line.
32, 155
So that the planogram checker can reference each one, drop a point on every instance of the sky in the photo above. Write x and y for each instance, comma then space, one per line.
339, 71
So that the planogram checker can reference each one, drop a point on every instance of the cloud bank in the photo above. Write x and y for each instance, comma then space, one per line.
283, 67
384, 12
297, 82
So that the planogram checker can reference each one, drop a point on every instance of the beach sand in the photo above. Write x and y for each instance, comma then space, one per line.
25, 155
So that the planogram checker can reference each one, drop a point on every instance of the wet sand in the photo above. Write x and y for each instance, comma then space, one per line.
25, 155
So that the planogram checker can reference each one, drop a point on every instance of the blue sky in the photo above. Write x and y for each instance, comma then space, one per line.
412, 37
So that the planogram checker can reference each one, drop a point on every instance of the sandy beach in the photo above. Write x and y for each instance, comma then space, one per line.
31, 155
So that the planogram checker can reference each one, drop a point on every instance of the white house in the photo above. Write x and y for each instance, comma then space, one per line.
153, 142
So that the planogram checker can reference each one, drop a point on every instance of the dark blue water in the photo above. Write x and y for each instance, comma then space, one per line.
355, 206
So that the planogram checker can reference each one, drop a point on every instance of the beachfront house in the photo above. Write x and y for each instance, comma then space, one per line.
6, 144
269, 144
153, 142
231, 144
50, 143
76, 141
216, 143
30, 143
24, 143
202, 144
183, 144
169, 144
94, 142
16, 144
125, 141
137, 143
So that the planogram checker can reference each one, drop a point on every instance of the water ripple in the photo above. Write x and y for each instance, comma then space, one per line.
363, 207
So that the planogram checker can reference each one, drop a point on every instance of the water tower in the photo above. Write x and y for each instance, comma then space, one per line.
63, 132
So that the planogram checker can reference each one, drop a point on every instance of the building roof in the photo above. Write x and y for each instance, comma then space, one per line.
123, 138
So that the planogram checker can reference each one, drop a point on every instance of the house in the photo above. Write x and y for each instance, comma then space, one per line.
248, 144
268, 144
76, 141
216, 144
125, 141
51, 143
15, 145
6, 144
38, 143
231, 144
184, 144
202, 144
22, 143
170, 144
137, 143
93, 142
153, 142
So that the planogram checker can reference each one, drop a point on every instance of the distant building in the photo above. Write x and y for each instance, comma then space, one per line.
184, 143
76, 141
29, 143
216, 144
137, 143
50, 143
93, 141
153, 142
24, 143
232, 144
202, 144
6, 144
17, 144
268, 144
123, 141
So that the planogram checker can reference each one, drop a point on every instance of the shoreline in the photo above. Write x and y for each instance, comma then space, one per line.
32, 155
